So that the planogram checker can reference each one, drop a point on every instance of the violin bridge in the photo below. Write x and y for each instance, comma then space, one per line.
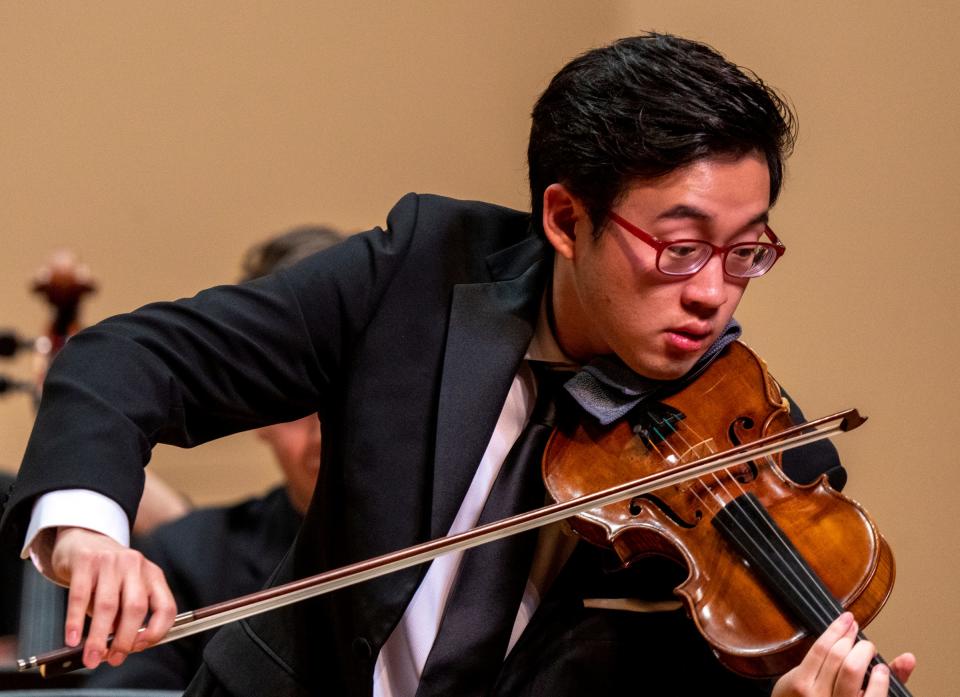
655, 423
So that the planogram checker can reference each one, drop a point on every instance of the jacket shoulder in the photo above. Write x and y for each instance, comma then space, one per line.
431, 211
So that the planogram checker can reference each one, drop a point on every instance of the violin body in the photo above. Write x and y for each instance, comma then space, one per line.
734, 401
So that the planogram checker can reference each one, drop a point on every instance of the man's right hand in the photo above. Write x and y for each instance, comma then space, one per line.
118, 587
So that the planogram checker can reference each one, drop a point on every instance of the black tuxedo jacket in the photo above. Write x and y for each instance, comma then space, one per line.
405, 340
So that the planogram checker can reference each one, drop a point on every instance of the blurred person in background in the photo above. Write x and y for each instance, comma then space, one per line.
218, 553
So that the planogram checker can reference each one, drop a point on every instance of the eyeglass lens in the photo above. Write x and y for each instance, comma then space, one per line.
742, 260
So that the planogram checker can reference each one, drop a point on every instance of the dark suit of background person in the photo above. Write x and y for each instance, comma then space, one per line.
405, 341
10, 570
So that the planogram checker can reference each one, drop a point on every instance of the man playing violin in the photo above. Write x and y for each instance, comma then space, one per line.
654, 163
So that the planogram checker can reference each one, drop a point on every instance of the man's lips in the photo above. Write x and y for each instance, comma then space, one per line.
688, 338
698, 331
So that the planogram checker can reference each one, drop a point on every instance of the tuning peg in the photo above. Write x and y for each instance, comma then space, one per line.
9, 384
10, 343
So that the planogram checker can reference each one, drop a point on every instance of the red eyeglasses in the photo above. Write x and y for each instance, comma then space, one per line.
686, 257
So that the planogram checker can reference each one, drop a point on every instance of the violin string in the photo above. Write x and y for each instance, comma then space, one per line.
706, 442
818, 606
656, 449
785, 543
831, 607
822, 604
679, 457
756, 535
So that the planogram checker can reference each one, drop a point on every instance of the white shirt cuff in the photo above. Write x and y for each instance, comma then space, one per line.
78, 508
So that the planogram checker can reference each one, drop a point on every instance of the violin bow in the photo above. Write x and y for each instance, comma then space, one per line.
194, 621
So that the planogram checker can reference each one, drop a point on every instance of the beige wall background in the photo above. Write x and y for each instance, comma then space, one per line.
158, 140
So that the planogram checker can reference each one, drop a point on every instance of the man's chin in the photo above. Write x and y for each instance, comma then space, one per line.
663, 371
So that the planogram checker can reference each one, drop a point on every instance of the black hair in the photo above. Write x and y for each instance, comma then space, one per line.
286, 249
641, 108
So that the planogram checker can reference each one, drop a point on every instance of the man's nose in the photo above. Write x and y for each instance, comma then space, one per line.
708, 287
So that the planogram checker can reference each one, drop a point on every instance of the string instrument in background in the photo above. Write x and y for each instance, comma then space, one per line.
695, 478
63, 283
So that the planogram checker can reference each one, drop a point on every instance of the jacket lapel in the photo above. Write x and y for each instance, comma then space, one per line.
491, 325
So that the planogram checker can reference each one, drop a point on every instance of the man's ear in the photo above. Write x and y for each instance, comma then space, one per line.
563, 213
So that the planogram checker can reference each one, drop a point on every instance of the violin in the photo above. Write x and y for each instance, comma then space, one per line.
771, 562
695, 478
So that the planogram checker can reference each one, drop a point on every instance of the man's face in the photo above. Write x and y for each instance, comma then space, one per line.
609, 296
296, 447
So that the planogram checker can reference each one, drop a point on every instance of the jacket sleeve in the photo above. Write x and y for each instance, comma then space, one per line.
227, 360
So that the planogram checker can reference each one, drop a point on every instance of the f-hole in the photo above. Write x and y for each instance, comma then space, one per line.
636, 508
745, 423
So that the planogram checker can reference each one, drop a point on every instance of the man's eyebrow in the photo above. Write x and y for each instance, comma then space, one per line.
684, 211
681, 211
